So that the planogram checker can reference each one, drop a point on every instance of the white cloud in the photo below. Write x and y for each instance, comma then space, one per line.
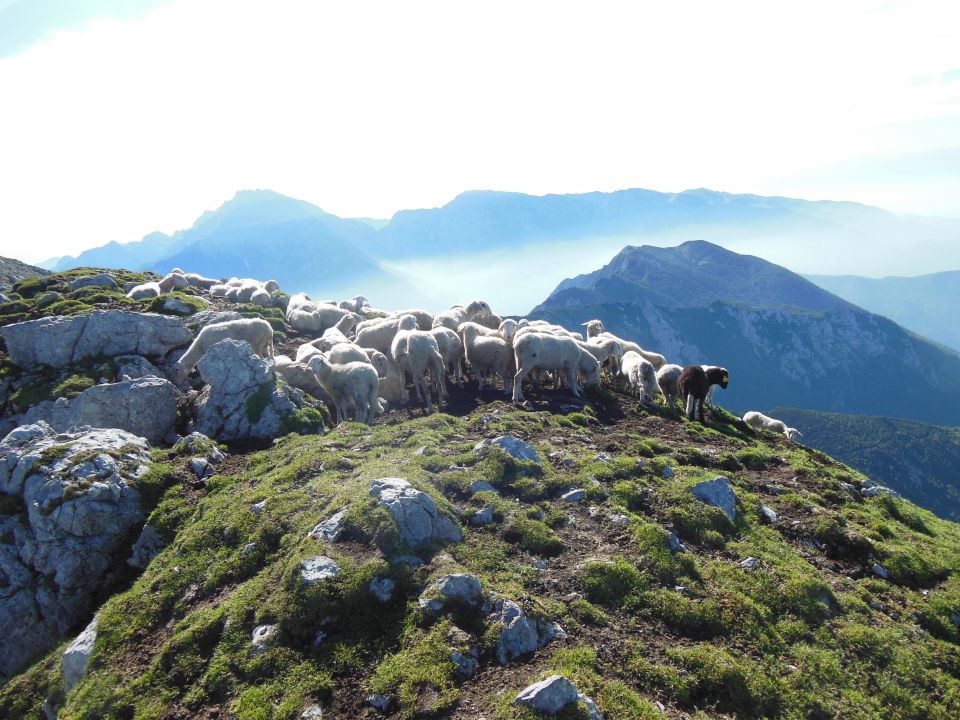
365, 108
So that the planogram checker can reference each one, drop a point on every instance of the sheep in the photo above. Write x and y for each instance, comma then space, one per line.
199, 281
306, 351
694, 382
451, 350
588, 368
355, 304
595, 329
299, 301
337, 334
145, 291
392, 384
347, 352
327, 316
173, 281
507, 330
378, 336
354, 383
667, 378
271, 286
488, 354
378, 360
416, 352
458, 314
640, 376
255, 331
219, 290
232, 294
261, 298
488, 320
551, 352
607, 351
299, 375
764, 422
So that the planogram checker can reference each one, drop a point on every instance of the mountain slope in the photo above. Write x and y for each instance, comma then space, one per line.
13, 271
785, 341
926, 304
920, 461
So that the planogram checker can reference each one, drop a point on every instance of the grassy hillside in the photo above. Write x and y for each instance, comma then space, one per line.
811, 632
920, 461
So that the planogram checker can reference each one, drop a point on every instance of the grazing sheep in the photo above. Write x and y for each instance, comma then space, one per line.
145, 291
219, 290
458, 314
299, 375
667, 378
379, 335
199, 281
355, 304
255, 331
355, 383
607, 351
640, 376
694, 383
588, 368
306, 351
488, 354
595, 329
337, 334
550, 352
488, 320
451, 350
173, 281
347, 352
416, 353
261, 298
764, 422
424, 319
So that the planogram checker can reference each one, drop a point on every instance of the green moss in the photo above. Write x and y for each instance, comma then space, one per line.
29, 395
307, 421
258, 402
73, 386
610, 582
533, 536
192, 303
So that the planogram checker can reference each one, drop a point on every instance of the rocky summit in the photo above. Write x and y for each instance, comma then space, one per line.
224, 550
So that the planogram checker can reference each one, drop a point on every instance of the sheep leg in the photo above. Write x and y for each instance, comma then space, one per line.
518, 384
571, 373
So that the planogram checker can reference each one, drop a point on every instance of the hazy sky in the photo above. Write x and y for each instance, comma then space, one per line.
123, 117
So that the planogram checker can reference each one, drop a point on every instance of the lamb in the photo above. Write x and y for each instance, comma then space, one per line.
246, 291
764, 422
451, 350
378, 336
354, 383
542, 350
299, 375
145, 291
694, 382
255, 331
199, 281
487, 353
347, 352
458, 314
606, 350
640, 376
337, 334
416, 352
596, 329
507, 330
488, 320
667, 378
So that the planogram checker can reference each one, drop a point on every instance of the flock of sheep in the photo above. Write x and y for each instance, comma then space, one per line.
361, 358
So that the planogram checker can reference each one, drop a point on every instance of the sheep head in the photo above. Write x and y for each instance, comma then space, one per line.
407, 322
478, 306
319, 365
793, 433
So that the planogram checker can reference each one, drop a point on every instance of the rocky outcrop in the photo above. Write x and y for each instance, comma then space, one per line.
243, 399
146, 407
80, 504
553, 694
62, 341
415, 513
513, 446
719, 494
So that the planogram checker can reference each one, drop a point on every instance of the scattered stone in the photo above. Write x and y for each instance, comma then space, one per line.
197, 443
467, 663
550, 632
457, 468
575, 495
552, 695
262, 637
778, 489
667, 472
518, 636
768, 514
482, 486
482, 517
880, 571
540, 564
618, 519
77, 655
258, 507
717, 493
99, 280
319, 638
331, 528
955, 618
603, 457
61, 341
201, 467
420, 451
48, 298
877, 490
415, 513
675, 544
849, 490
382, 588
513, 446
248, 548
378, 701
459, 588
680, 589
314, 712
749, 564
146, 548
316, 569
177, 306
593, 511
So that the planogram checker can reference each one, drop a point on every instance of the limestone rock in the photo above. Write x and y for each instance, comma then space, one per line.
482, 486
520, 634
100, 280
331, 528
768, 514
48, 298
552, 695
80, 501
575, 495
415, 513
717, 493
317, 569
146, 548
61, 341
77, 655
382, 588
262, 637
135, 367
514, 446
482, 517
460, 588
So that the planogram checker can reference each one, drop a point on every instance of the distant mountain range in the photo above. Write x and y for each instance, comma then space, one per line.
456, 252
786, 341
920, 461
926, 304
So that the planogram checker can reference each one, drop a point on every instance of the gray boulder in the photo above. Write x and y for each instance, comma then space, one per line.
552, 695
519, 633
416, 514
769, 514
382, 588
262, 637
318, 569
146, 407
717, 493
331, 528
77, 655
62, 341
459, 588
100, 280
135, 367
513, 446
176, 306
146, 548
48, 298
80, 502
243, 400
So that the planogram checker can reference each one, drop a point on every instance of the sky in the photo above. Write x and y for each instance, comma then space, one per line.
122, 117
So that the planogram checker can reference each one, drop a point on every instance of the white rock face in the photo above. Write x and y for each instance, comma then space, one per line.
415, 513
61, 341
459, 588
59, 552
243, 400
77, 655
317, 569
145, 407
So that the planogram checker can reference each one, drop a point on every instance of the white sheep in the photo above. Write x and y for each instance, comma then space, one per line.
667, 378
255, 331
355, 304
173, 281
607, 351
416, 353
145, 291
355, 383
451, 350
640, 376
458, 314
550, 352
219, 290
764, 422
378, 335
595, 328
199, 281
299, 375
347, 352
488, 353
507, 330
